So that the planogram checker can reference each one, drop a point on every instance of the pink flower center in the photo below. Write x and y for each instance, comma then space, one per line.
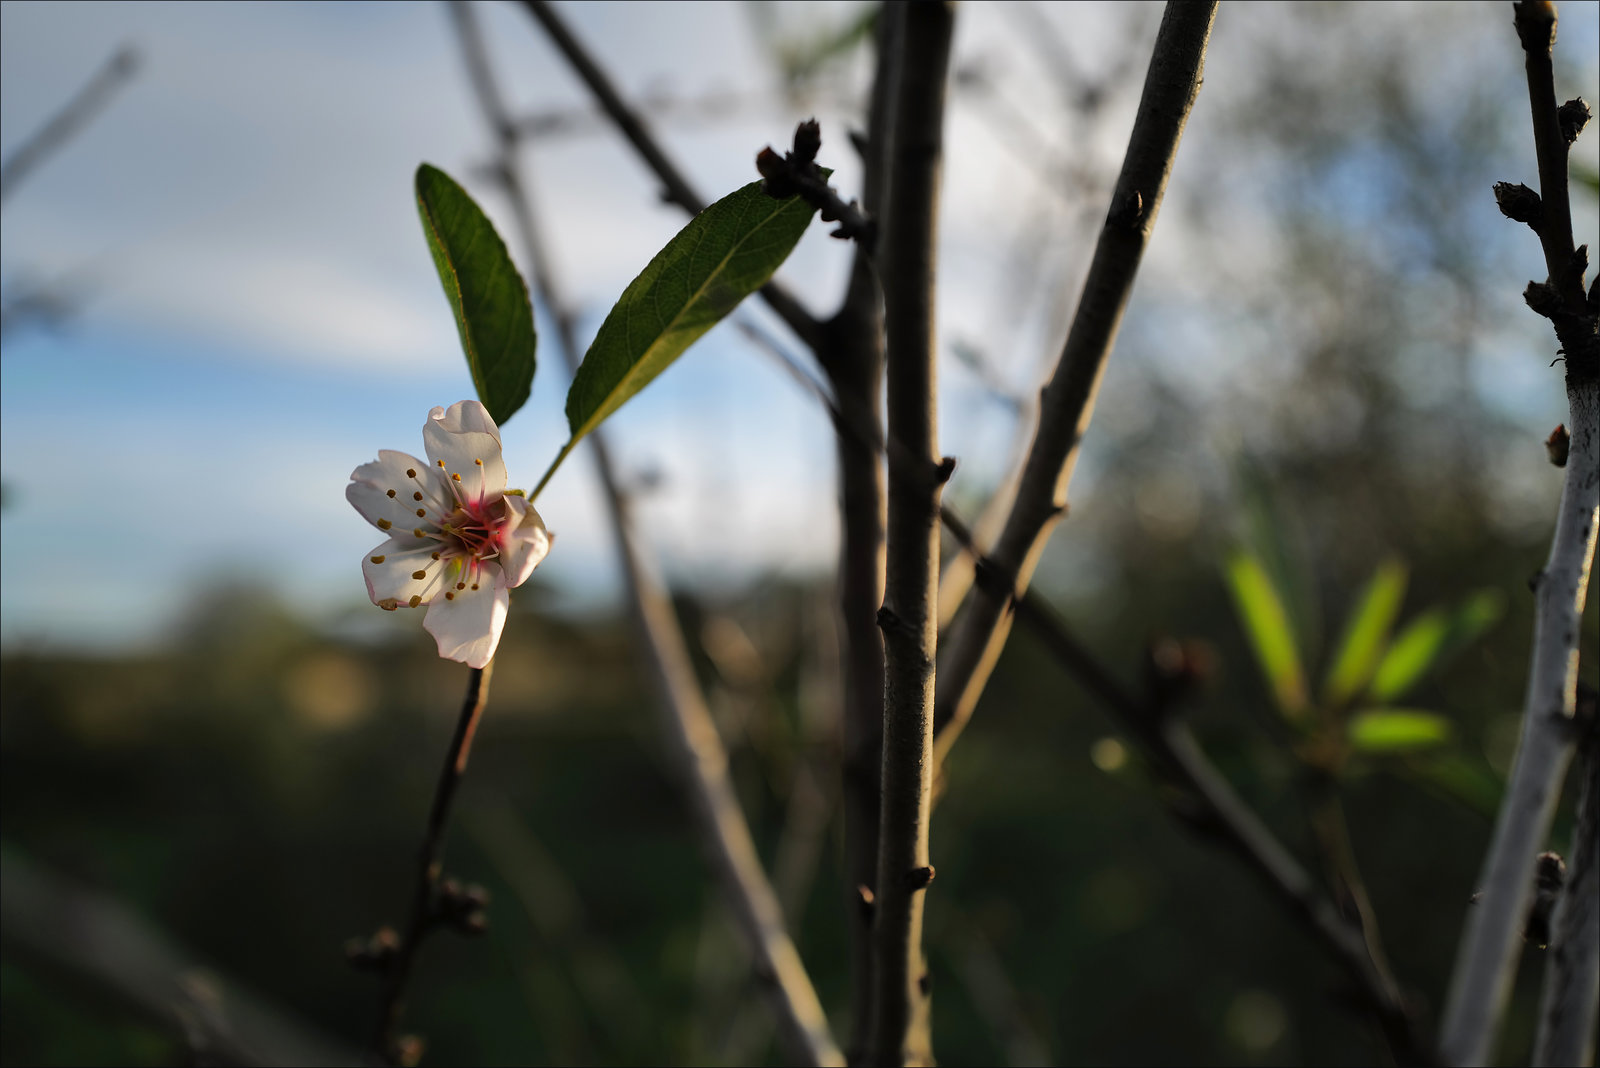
473, 532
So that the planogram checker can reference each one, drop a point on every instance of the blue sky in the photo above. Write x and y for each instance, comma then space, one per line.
262, 315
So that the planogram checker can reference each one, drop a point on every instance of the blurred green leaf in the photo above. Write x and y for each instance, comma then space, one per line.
725, 253
1461, 779
1267, 626
1430, 639
487, 295
1275, 532
1366, 632
1587, 177
1396, 730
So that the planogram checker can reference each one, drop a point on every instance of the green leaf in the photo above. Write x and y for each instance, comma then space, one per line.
1267, 626
725, 253
1396, 730
1366, 632
487, 296
1430, 639
1461, 779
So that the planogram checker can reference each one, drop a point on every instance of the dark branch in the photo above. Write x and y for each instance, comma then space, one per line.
61, 127
429, 907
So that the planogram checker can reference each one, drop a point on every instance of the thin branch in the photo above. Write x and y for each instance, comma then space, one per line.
64, 124
675, 186
1487, 959
979, 631
425, 911
702, 761
1571, 995
900, 1031
1210, 803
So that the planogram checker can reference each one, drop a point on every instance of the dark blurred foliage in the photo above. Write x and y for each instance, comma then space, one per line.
1328, 390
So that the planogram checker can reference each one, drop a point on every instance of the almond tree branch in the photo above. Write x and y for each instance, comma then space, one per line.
675, 186
1487, 959
909, 618
1571, 995
702, 760
425, 900
1209, 805
61, 127
1067, 403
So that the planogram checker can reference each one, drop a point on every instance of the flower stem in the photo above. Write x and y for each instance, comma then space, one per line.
428, 865
566, 450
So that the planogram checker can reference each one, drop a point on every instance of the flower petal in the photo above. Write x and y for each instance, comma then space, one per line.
467, 624
524, 542
391, 570
464, 444
391, 491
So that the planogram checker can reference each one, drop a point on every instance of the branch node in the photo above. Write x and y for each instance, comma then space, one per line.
1574, 116
1127, 211
1543, 298
946, 467
1558, 444
1550, 875
865, 901
925, 983
796, 173
919, 878
1519, 203
374, 954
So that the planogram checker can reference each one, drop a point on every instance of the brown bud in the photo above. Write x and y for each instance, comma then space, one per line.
1558, 444
1519, 203
772, 167
1543, 299
1549, 876
807, 141
408, 1050
1574, 116
919, 878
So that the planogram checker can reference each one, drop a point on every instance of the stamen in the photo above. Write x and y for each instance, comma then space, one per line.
456, 477
416, 599
419, 574
391, 493
436, 556
449, 595
419, 532
478, 462
441, 463
414, 496
474, 585
461, 585
384, 524
411, 472
378, 559
388, 604
421, 512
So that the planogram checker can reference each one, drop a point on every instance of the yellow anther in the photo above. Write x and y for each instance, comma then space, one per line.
419, 533
416, 599
441, 463
478, 462
411, 472
416, 496
388, 604
377, 559
449, 595
384, 524
461, 585
436, 556
419, 574
391, 493
456, 477
474, 585
421, 512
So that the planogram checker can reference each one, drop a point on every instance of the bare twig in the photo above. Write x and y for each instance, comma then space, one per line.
69, 120
701, 759
676, 187
425, 914
1571, 994
909, 617
1487, 958
979, 631
1210, 804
